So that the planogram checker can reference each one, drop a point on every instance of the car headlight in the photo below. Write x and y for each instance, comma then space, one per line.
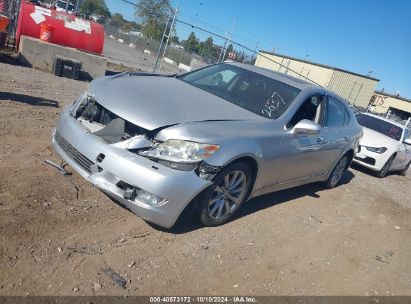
378, 150
175, 150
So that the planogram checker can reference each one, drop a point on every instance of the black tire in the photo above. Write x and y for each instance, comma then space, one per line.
403, 172
338, 172
386, 168
213, 193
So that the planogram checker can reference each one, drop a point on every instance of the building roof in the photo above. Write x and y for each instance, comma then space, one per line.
319, 64
393, 96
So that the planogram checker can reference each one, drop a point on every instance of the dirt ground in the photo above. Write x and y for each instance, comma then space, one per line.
352, 240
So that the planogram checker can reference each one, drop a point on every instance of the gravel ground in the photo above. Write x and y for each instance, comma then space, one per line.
352, 240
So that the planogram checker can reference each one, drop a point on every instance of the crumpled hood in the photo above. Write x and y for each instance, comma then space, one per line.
155, 101
375, 139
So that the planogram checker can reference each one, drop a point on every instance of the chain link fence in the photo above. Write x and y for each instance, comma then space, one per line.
153, 41
170, 45
9, 9
156, 40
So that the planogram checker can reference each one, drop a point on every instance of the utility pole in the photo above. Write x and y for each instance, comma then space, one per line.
161, 44
220, 57
256, 46
229, 38
169, 34
77, 6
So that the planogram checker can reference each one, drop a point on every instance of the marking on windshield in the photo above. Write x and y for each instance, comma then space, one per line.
272, 104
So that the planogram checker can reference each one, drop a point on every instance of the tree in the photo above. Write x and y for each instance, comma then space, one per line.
117, 20
206, 47
191, 44
230, 48
154, 17
94, 7
174, 39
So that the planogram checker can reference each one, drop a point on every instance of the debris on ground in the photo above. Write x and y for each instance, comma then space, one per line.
316, 219
97, 286
83, 249
384, 258
117, 279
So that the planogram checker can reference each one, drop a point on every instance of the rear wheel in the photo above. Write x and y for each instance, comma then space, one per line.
383, 172
338, 172
219, 202
403, 172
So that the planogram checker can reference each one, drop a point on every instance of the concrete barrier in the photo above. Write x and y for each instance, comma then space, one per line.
39, 54
169, 61
184, 67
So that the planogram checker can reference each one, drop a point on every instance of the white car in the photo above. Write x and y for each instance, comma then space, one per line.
385, 145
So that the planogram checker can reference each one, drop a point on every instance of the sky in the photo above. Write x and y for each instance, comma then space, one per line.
359, 36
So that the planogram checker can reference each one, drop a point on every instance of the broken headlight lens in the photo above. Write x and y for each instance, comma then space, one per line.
175, 150
376, 149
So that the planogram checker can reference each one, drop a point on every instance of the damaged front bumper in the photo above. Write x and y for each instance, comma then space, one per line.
119, 172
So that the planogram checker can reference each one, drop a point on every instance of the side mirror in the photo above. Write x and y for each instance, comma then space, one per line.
407, 141
306, 126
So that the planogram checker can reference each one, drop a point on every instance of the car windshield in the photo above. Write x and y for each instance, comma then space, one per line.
381, 126
254, 92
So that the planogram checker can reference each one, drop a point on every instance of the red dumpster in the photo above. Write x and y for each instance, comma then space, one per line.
4, 21
68, 30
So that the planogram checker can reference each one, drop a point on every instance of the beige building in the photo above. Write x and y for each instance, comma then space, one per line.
355, 88
382, 103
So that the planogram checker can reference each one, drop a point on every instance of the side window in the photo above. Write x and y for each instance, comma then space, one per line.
311, 109
336, 113
407, 134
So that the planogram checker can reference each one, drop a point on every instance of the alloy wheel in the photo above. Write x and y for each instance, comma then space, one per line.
227, 195
386, 167
339, 171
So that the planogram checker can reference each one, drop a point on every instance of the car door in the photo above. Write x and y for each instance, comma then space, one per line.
298, 156
337, 125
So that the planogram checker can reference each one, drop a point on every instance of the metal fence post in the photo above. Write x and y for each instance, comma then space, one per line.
169, 33
161, 44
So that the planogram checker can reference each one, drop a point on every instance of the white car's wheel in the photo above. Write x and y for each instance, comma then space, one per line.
383, 172
404, 171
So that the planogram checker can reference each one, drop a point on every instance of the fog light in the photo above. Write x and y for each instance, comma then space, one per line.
150, 199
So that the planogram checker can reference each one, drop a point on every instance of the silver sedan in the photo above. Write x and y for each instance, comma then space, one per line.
209, 139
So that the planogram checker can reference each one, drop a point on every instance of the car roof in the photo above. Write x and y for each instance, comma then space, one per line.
384, 119
290, 80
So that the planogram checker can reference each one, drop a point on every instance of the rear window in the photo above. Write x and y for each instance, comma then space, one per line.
254, 92
381, 126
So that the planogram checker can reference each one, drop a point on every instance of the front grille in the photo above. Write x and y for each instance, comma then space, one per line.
79, 158
367, 160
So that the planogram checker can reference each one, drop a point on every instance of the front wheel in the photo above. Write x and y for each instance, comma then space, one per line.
403, 172
383, 172
230, 189
337, 173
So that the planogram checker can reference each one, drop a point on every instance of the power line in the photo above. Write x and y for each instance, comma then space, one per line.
220, 36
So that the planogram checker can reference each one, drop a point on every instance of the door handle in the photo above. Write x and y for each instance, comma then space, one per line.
347, 138
320, 140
